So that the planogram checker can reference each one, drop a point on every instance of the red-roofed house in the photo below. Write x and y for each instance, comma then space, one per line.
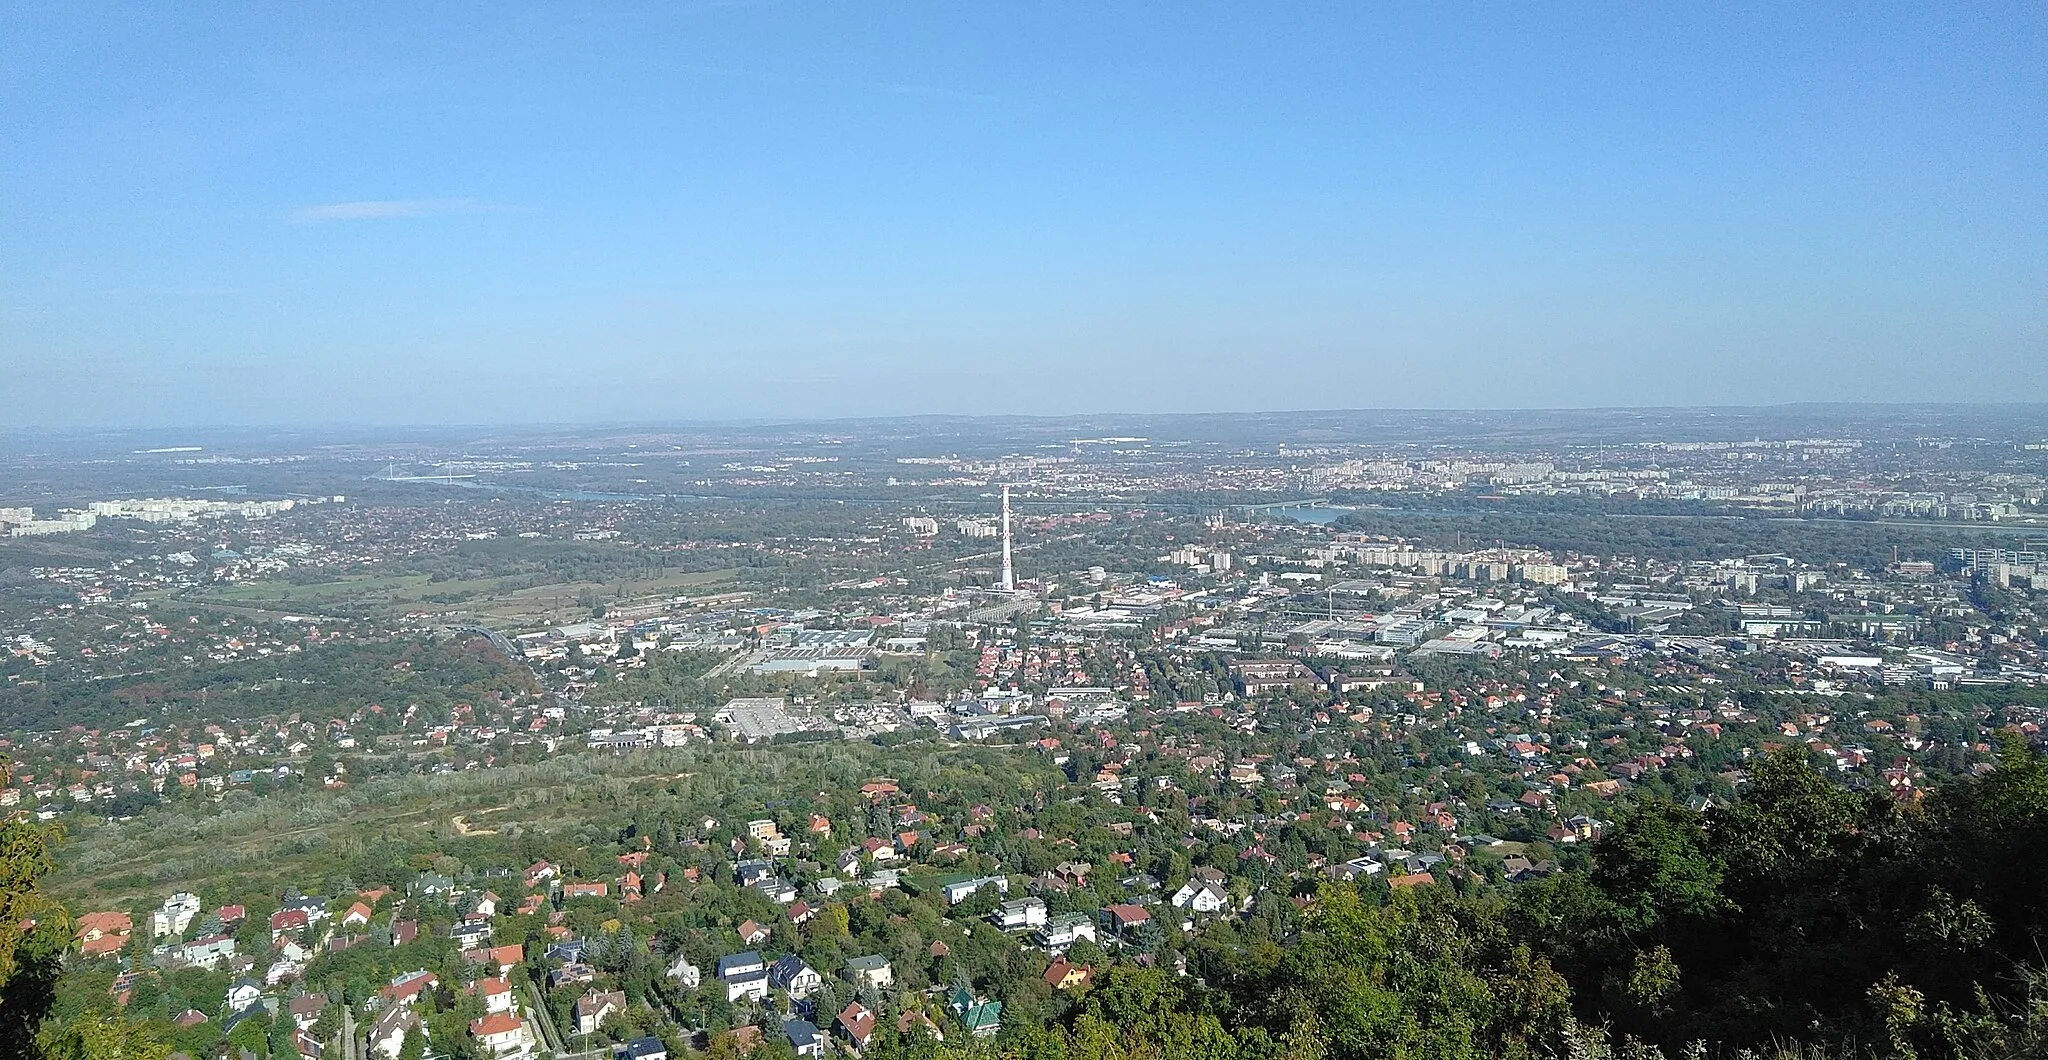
100, 934
914, 1021
408, 987
286, 921
502, 956
1124, 918
1066, 975
502, 1034
855, 1024
496, 994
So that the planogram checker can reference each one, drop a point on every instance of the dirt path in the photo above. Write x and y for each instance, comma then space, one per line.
463, 828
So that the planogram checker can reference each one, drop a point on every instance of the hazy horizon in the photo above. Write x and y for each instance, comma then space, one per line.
226, 217
2017, 420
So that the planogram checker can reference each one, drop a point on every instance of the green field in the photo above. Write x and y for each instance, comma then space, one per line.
511, 599
483, 818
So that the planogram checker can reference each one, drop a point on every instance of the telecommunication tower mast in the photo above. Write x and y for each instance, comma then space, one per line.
1009, 573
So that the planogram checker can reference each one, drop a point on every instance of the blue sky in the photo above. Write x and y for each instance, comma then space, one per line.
431, 213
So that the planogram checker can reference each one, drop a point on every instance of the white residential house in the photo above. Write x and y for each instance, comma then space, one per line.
174, 916
387, 1034
1064, 930
592, 1009
497, 995
804, 1038
209, 951
957, 891
1201, 897
794, 977
243, 993
284, 969
471, 931
503, 1035
779, 891
744, 974
1023, 914
740, 963
872, 969
749, 985
304, 1010
685, 973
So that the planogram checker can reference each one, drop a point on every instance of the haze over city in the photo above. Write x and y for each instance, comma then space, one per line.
219, 214
717, 529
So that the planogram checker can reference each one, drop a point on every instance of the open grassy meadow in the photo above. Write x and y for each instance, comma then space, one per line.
510, 600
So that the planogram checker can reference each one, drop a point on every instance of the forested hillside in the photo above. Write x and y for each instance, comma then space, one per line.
1805, 919
320, 681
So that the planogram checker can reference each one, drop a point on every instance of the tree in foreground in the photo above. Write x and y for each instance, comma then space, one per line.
34, 930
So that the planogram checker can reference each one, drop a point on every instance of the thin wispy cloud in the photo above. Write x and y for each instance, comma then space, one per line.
387, 209
893, 88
